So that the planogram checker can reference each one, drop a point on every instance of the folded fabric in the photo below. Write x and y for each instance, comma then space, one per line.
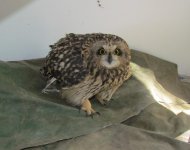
29, 118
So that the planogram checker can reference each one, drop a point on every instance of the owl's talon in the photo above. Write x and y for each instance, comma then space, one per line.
92, 115
87, 107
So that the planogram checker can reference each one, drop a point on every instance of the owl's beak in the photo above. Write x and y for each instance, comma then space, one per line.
109, 58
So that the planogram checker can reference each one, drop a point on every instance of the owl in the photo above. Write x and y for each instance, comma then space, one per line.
82, 66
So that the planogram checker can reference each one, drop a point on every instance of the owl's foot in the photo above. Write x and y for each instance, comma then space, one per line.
87, 107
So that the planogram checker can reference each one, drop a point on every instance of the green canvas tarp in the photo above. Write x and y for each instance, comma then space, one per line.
132, 120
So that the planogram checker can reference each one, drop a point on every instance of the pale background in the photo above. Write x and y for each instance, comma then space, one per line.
158, 27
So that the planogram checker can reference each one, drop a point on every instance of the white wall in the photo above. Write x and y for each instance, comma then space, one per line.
158, 27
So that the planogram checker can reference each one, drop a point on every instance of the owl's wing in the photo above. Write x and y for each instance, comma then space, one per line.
65, 62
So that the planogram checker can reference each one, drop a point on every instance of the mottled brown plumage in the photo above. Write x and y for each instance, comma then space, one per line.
87, 65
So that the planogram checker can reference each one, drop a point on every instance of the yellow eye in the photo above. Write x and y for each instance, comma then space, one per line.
117, 52
101, 51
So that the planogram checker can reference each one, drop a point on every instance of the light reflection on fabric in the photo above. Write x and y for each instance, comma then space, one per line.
161, 95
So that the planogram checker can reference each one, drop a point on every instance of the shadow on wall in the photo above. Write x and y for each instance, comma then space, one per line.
9, 7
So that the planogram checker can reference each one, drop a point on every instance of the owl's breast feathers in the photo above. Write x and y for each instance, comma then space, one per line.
69, 63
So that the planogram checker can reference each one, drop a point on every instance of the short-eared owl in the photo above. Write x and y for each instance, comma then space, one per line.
83, 66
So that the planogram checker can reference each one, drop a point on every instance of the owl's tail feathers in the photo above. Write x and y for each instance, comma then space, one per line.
161, 95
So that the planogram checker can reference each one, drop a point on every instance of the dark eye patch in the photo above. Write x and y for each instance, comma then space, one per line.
101, 51
118, 52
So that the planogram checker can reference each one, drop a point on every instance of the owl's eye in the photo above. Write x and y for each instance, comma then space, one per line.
117, 52
101, 51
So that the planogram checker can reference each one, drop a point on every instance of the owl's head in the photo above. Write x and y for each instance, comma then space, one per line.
110, 52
